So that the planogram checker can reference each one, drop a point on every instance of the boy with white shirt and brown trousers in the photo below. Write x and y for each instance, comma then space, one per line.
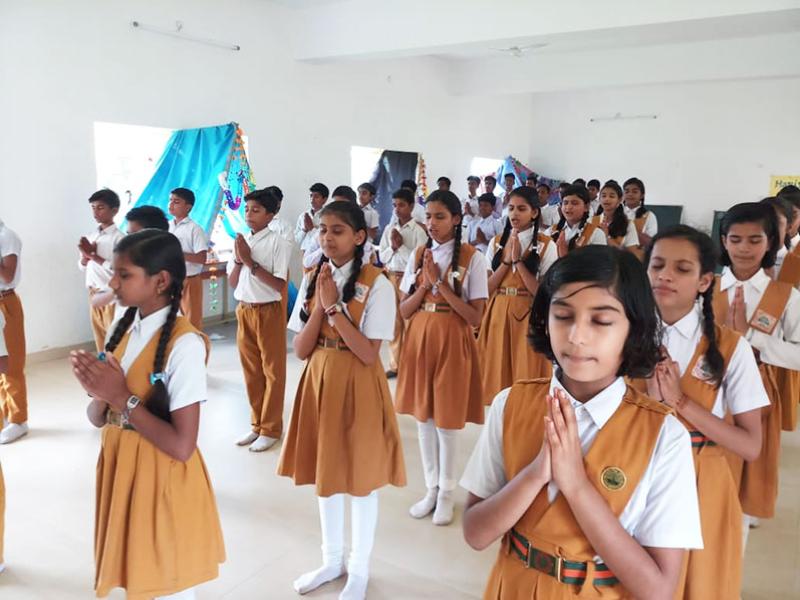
258, 271
195, 251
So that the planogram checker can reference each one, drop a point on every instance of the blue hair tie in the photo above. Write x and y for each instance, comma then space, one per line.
156, 377
101, 356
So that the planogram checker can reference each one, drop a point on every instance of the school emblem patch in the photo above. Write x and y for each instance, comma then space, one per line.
613, 478
763, 321
701, 370
361, 292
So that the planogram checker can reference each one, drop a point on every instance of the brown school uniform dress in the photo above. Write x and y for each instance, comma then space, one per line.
717, 490
759, 481
2, 512
440, 378
505, 354
157, 530
584, 236
790, 270
626, 441
343, 435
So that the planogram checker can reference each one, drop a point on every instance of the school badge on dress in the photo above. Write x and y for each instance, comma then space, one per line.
361, 292
613, 478
702, 371
763, 321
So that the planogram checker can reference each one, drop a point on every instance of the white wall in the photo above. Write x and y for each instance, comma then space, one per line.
64, 65
713, 144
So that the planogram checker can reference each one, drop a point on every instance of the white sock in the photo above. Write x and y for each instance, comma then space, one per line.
429, 452
445, 506
355, 589
248, 439
447, 439
262, 443
424, 507
363, 520
331, 519
187, 594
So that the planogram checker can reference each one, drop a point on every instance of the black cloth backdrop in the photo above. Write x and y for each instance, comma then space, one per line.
392, 168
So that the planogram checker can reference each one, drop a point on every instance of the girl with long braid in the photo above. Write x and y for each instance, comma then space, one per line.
644, 220
574, 229
444, 291
618, 229
343, 436
518, 258
157, 531
710, 378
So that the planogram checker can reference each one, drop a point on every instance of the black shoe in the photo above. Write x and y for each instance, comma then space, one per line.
390, 374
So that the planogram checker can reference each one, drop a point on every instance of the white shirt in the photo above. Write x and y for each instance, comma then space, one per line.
10, 244
417, 213
314, 254
413, 235
282, 228
546, 259
782, 348
3, 348
741, 389
305, 239
794, 241
490, 227
650, 223
594, 205
193, 240
473, 203
272, 253
377, 320
662, 511
550, 215
185, 371
597, 238
98, 275
475, 284
370, 216
779, 258
631, 237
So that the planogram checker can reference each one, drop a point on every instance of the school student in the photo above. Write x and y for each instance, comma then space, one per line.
767, 314
398, 243
343, 437
278, 224
531, 180
593, 187
550, 212
444, 292
157, 530
418, 214
146, 217
257, 272
470, 201
518, 258
489, 184
195, 250
485, 226
787, 261
3, 371
644, 220
509, 182
710, 378
366, 196
611, 218
791, 193
305, 232
589, 482
96, 251
574, 229
443, 184
13, 387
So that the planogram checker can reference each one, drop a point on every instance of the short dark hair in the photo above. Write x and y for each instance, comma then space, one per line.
579, 181
319, 188
278, 191
266, 198
369, 187
531, 177
545, 186
791, 193
474, 179
184, 194
404, 194
593, 183
346, 192
577, 190
106, 196
491, 178
488, 197
409, 184
564, 185
444, 180
623, 275
507, 175
751, 212
149, 217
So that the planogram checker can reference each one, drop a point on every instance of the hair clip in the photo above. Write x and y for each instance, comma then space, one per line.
101, 356
154, 377
456, 274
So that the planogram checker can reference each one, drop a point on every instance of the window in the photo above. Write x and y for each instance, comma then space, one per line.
362, 164
482, 167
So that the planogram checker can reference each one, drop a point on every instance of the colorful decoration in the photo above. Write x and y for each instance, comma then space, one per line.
521, 172
213, 290
235, 183
422, 178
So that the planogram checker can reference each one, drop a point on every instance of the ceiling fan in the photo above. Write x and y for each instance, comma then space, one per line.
518, 51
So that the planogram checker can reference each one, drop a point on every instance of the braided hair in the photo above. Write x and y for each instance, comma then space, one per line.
531, 261
706, 255
154, 251
453, 206
351, 214
638, 183
618, 226
582, 193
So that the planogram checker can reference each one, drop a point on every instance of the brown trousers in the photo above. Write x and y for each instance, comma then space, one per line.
261, 337
13, 389
192, 301
101, 319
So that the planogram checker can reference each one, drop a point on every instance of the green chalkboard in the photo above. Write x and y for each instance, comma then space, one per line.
667, 214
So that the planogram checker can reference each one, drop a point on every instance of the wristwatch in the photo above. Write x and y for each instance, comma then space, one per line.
132, 403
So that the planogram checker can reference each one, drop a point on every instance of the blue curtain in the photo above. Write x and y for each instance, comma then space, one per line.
193, 158
521, 172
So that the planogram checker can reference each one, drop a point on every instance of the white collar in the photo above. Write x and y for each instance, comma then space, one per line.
525, 237
602, 406
151, 323
760, 280
687, 325
449, 244
343, 271
185, 219
101, 230
254, 237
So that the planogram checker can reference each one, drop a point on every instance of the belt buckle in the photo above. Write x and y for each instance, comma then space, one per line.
512, 291
429, 307
547, 564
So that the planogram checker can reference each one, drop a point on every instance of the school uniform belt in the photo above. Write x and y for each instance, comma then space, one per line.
699, 440
255, 304
332, 343
6, 293
564, 571
512, 291
115, 419
193, 276
435, 307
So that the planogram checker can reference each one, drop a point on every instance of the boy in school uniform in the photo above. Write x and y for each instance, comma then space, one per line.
146, 217
594, 195
398, 243
3, 370
195, 251
306, 230
13, 389
550, 215
366, 196
278, 225
258, 272
531, 180
471, 199
485, 227
96, 252
443, 184
509, 183
418, 214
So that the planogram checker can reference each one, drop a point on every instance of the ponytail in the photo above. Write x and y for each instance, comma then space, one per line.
714, 359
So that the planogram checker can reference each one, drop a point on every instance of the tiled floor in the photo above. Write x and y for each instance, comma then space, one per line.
271, 527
